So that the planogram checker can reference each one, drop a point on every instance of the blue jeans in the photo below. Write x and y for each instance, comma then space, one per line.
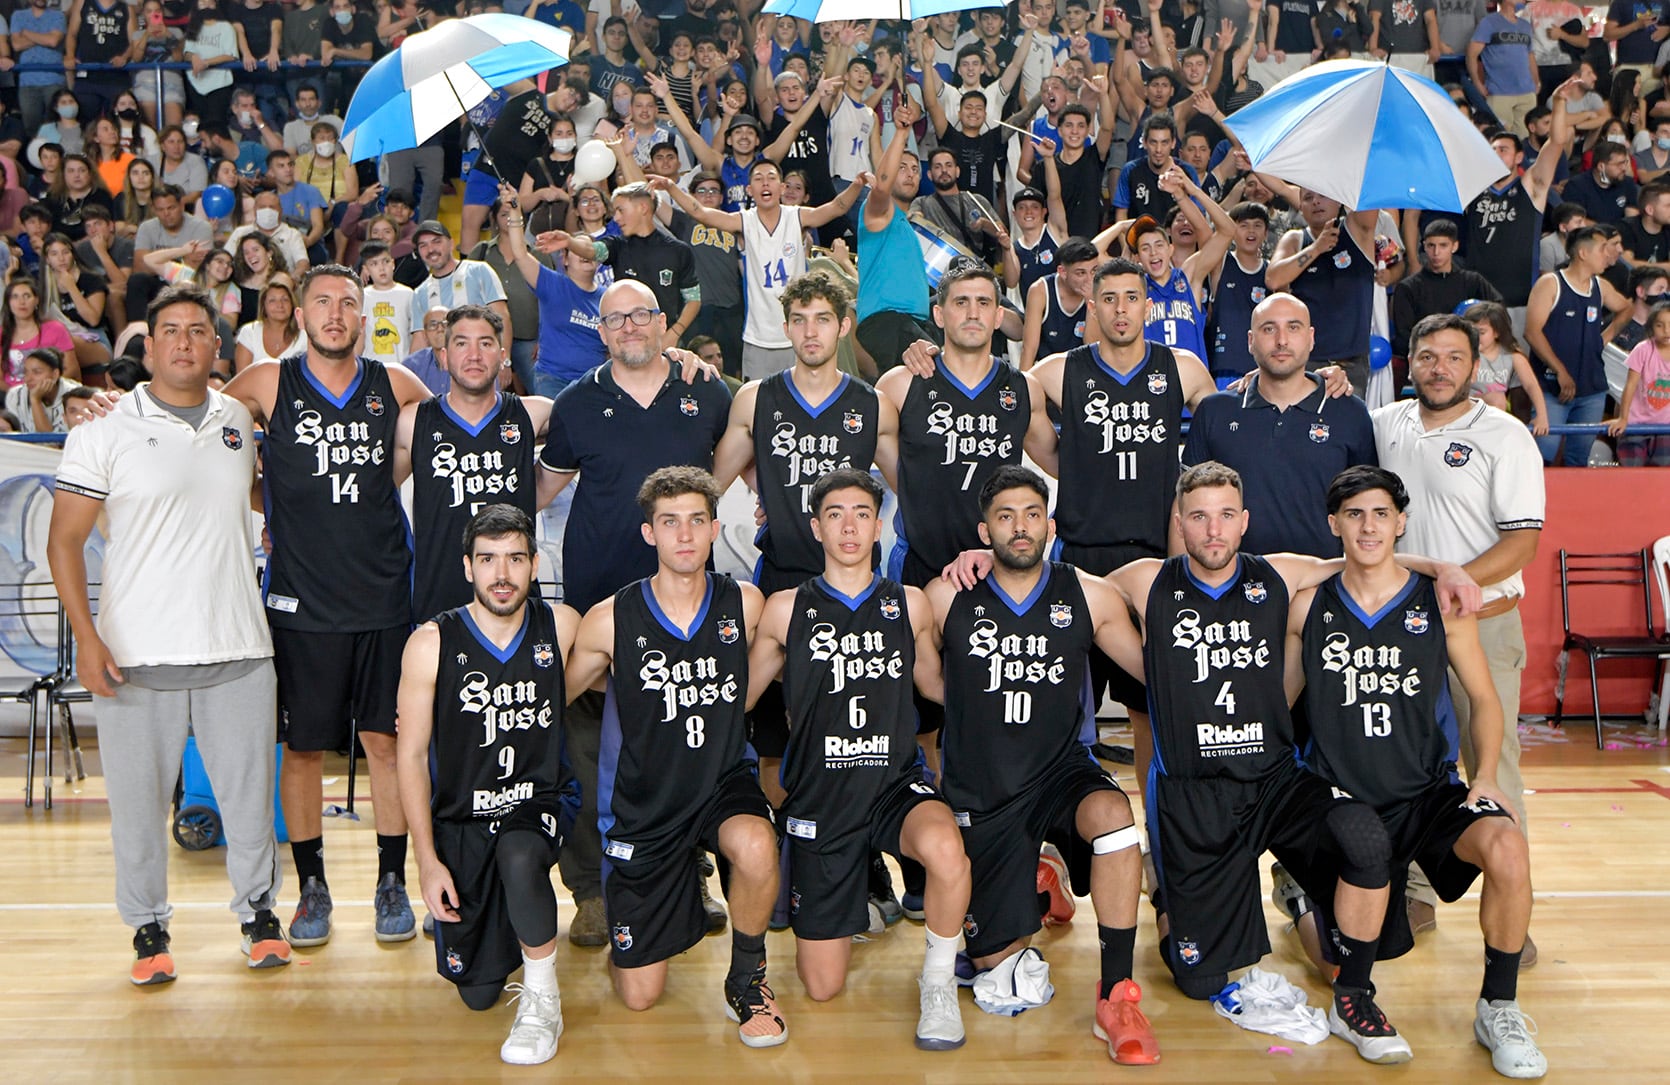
1589, 408
547, 384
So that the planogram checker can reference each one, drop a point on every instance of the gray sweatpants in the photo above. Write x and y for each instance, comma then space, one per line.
142, 736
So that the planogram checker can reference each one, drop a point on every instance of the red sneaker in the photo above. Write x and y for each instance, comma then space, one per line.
152, 962
1053, 879
1121, 1023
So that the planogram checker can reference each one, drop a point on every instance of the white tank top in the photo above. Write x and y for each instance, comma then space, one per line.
770, 259
849, 138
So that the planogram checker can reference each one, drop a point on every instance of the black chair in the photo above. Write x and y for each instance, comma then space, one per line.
62, 691
29, 617
1595, 570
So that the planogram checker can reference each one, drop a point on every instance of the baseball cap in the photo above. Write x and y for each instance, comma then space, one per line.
1029, 193
431, 226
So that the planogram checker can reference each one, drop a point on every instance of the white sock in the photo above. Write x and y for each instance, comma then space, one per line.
939, 962
540, 976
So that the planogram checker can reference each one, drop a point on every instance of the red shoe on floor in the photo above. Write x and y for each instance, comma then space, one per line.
152, 963
1053, 879
1121, 1023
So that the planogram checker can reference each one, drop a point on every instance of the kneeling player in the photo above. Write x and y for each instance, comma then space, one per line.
481, 689
1376, 664
848, 644
1017, 768
672, 771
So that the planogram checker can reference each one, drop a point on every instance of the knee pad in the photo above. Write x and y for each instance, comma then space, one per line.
1118, 840
481, 996
1362, 843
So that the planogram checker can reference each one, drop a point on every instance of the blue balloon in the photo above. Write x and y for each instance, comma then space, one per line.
217, 201
1379, 352
1461, 310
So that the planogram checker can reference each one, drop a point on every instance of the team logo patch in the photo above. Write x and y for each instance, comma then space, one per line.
1593, 313
1189, 952
1457, 454
510, 432
1078, 329
1157, 384
231, 438
1046, 257
970, 928
890, 609
1342, 260
1416, 621
1254, 591
1006, 398
794, 902
543, 655
852, 422
666, 277
623, 938
1061, 615
689, 407
1258, 294
1180, 285
1319, 432
727, 630
374, 403
454, 963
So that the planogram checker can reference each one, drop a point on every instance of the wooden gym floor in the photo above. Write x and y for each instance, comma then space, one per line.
356, 1010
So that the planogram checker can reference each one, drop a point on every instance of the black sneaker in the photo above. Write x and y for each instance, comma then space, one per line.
264, 942
1356, 1019
881, 891
152, 963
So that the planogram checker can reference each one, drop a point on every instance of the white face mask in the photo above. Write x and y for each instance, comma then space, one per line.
564, 146
324, 150
266, 218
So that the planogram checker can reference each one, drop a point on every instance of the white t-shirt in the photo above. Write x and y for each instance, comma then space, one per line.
388, 323
471, 283
770, 258
1468, 482
179, 569
287, 239
249, 337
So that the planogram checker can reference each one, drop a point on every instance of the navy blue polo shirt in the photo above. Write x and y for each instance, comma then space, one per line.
614, 442
1286, 460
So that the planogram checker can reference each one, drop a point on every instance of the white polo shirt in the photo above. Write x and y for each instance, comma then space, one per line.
1468, 482
179, 573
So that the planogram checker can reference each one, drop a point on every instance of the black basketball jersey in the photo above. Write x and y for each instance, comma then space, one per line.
1503, 231
1239, 292
457, 470
1059, 329
952, 438
1017, 693
340, 562
1119, 441
1213, 657
1377, 693
498, 729
672, 719
847, 681
795, 444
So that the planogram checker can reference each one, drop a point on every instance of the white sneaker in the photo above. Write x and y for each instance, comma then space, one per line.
1504, 1030
1365, 1027
940, 1028
533, 1035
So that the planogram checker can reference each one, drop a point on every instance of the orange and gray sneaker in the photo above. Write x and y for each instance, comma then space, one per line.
754, 1009
152, 964
264, 942
1053, 883
1121, 1023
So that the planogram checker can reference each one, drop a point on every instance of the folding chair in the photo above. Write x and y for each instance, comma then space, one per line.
1594, 570
1661, 573
62, 691
29, 634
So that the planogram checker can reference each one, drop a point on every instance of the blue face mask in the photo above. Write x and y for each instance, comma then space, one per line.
1663, 143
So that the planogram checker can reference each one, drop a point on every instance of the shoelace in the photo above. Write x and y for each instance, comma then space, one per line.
1512, 1026
540, 1005
389, 900
940, 999
311, 902
1364, 1016
147, 944
753, 998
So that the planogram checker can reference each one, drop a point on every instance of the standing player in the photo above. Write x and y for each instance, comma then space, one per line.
1018, 771
338, 581
792, 428
1225, 783
1176, 316
672, 771
464, 450
848, 644
1377, 693
481, 699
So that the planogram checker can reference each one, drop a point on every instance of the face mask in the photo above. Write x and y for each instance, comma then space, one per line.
1663, 144
1655, 299
324, 150
129, 115
343, 18
190, 129
1617, 138
623, 106
68, 111
266, 219
1602, 180
309, 114
564, 146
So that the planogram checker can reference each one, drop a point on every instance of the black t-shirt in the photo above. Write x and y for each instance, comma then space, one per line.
808, 152
66, 212
258, 26
1081, 191
357, 33
521, 134
1648, 248
980, 158
658, 260
103, 33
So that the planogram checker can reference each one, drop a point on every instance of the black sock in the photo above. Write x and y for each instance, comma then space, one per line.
1501, 975
1118, 946
747, 957
309, 856
1356, 961
391, 857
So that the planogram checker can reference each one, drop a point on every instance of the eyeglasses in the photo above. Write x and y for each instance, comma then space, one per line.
640, 316
709, 190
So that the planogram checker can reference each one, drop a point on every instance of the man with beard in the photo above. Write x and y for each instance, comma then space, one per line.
625, 419
849, 645
464, 450
338, 582
1017, 732
673, 648
481, 700
893, 291
453, 281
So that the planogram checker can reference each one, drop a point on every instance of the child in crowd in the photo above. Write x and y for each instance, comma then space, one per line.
1646, 399
388, 306
1502, 365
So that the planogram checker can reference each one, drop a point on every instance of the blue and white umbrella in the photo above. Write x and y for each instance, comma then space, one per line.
825, 11
1368, 135
438, 75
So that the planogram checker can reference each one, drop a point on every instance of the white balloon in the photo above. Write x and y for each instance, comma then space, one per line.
593, 162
